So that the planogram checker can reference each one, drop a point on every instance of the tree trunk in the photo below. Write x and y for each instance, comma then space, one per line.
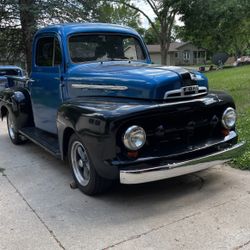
164, 41
164, 52
28, 27
163, 55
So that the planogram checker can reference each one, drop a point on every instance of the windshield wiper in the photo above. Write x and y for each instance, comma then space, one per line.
113, 59
119, 59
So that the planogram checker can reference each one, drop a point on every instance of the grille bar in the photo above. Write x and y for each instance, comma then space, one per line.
184, 92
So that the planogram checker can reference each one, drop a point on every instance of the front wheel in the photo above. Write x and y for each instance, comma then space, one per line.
15, 137
83, 171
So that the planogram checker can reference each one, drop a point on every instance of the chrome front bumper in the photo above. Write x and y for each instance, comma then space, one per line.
181, 168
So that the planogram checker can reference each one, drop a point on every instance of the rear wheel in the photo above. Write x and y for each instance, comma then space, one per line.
15, 137
83, 171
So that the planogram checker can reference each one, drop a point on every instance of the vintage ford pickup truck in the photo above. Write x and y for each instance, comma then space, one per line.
95, 98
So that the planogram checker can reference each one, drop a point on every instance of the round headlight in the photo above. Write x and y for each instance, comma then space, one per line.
134, 138
229, 118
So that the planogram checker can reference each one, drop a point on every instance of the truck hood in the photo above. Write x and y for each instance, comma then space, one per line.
134, 80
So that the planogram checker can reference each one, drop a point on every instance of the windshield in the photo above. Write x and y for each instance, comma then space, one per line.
96, 47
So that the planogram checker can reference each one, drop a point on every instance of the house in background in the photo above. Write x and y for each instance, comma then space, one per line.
180, 53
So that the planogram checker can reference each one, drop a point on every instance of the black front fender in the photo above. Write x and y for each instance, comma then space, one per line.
95, 133
100, 123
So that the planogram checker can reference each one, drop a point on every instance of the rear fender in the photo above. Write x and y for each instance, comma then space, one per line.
18, 104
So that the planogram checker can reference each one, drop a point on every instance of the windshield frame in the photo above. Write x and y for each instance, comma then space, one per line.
140, 42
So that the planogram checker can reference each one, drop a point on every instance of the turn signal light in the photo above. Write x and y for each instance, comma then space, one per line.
133, 154
225, 132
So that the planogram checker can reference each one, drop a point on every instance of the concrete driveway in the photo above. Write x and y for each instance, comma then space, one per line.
39, 210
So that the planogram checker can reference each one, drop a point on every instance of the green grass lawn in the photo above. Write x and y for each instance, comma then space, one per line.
236, 82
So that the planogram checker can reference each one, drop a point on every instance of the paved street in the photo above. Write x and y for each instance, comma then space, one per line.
39, 210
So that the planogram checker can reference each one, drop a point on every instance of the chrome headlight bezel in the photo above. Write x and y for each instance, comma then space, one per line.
229, 113
130, 135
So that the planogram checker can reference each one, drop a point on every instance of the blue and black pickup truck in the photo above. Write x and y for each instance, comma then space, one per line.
95, 99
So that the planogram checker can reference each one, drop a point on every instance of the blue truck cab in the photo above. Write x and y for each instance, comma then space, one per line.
94, 98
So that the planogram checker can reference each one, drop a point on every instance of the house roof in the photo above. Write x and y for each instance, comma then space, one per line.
174, 46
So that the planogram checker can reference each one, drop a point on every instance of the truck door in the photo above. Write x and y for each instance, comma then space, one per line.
46, 78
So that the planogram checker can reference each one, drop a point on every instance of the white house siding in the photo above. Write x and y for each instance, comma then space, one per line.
172, 58
156, 58
192, 51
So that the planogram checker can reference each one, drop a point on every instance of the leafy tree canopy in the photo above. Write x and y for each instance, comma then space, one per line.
165, 12
19, 19
217, 25
119, 14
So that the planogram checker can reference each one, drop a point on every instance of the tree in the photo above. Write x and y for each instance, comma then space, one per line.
165, 12
119, 14
24, 17
27, 12
151, 38
217, 25
21, 18
8, 37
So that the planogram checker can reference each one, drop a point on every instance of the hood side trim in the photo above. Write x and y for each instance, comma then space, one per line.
99, 86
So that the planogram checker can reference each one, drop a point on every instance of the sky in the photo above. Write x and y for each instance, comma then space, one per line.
148, 11
146, 8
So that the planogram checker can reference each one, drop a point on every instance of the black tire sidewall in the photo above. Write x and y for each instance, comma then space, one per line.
17, 140
90, 188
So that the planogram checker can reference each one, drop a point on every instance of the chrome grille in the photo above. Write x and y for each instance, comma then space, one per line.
187, 91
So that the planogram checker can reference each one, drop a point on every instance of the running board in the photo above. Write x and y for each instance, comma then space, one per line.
47, 141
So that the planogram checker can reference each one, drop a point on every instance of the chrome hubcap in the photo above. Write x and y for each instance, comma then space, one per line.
80, 163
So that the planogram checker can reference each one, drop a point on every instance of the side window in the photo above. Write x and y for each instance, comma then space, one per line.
57, 53
48, 52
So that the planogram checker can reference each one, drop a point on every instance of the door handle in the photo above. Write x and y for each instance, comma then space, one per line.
62, 85
29, 82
